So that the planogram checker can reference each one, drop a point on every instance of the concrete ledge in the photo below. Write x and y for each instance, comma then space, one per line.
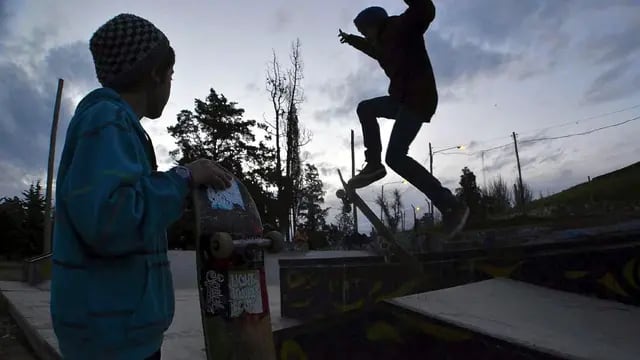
26, 306
184, 340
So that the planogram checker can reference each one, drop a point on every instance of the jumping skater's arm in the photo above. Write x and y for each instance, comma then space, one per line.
418, 16
363, 45
114, 206
359, 43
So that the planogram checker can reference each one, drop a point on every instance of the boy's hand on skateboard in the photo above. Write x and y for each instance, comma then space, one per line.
207, 172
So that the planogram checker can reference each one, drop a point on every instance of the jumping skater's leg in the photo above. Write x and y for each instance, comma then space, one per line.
368, 112
404, 131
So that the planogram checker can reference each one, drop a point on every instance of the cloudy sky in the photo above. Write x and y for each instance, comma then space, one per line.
541, 68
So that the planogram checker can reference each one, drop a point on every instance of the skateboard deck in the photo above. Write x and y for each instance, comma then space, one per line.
230, 246
349, 196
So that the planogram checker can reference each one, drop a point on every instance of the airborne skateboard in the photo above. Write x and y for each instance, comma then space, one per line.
230, 245
349, 196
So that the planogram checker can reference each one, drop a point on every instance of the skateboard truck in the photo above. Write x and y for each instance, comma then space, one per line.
222, 244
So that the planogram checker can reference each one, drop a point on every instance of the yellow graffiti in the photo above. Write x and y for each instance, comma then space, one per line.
301, 304
612, 284
296, 279
628, 272
404, 289
575, 274
498, 271
291, 350
377, 286
349, 307
382, 331
442, 332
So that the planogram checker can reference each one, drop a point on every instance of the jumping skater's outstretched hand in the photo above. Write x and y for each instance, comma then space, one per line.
344, 37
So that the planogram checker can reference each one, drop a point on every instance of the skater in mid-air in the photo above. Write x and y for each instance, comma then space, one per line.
397, 43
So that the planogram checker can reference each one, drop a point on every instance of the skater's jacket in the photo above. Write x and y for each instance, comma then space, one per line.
402, 54
111, 292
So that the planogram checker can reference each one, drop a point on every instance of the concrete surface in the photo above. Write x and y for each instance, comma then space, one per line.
563, 324
29, 306
184, 339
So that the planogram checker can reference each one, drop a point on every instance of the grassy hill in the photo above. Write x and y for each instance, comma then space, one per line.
606, 199
619, 187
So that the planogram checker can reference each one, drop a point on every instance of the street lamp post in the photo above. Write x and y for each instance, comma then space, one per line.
431, 153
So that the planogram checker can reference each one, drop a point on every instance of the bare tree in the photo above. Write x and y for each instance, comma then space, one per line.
497, 197
527, 194
392, 211
286, 95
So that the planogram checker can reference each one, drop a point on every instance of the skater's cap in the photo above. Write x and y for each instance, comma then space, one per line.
371, 16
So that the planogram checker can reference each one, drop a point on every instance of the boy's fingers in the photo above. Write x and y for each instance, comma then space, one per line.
217, 183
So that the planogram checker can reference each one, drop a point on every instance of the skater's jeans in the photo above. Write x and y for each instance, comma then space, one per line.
406, 127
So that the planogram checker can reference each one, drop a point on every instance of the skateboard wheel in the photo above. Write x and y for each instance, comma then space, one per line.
277, 241
346, 208
221, 245
341, 194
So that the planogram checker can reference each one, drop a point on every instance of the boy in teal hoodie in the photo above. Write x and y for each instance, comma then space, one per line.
111, 290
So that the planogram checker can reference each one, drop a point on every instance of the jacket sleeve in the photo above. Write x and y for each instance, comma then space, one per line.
116, 208
363, 45
418, 16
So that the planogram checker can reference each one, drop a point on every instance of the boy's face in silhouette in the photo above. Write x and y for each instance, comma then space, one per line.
370, 33
367, 31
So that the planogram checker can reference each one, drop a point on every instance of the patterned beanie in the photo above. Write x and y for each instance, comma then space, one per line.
124, 47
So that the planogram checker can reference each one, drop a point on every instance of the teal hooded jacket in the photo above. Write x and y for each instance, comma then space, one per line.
111, 290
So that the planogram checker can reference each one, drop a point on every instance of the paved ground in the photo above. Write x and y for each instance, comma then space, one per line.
184, 338
13, 344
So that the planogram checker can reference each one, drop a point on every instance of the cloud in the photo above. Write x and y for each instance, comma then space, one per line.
618, 81
281, 19
462, 61
497, 21
617, 54
27, 99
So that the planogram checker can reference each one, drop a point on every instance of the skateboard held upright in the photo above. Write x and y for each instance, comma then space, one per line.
234, 303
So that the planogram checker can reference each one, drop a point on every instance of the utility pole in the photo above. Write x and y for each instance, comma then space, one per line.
381, 202
415, 227
515, 143
52, 149
431, 171
353, 173
484, 172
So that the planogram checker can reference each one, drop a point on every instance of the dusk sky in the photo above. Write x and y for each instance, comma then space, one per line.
541, 68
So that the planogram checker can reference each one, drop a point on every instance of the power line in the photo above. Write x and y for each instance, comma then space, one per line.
547, 128
582, 133
583, 120
546, 138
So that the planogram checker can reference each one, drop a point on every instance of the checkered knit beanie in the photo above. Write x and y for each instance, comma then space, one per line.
125, 46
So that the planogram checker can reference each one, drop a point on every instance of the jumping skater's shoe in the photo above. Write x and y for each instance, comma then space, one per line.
455, 220
372, 172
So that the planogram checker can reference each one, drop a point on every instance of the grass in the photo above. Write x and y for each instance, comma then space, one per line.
620, 186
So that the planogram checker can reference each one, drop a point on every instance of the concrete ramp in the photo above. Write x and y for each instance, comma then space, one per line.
552, 322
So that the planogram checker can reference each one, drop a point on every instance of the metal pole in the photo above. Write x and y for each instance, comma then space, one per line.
353, 173
515, 143
52, 149
381, 202
431, 171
